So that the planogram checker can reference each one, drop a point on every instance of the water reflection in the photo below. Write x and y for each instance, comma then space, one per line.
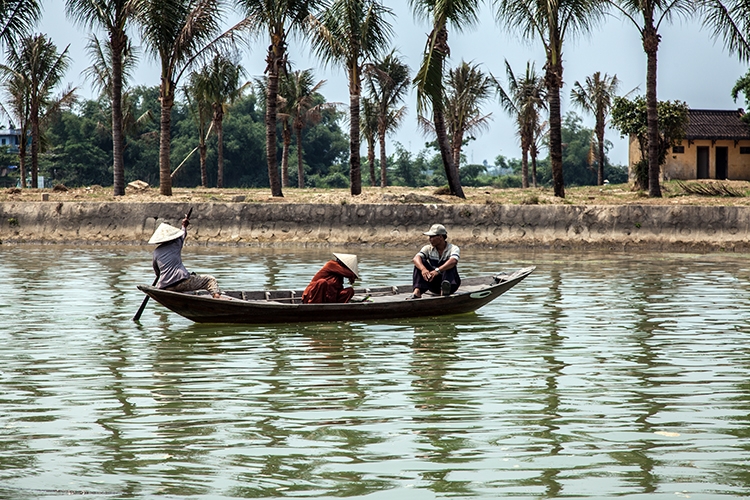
597, 377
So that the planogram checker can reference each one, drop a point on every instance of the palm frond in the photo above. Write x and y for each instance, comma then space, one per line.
17, 17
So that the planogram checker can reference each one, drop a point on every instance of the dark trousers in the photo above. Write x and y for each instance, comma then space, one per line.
451, 276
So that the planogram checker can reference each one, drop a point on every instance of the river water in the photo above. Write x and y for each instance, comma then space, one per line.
599, 376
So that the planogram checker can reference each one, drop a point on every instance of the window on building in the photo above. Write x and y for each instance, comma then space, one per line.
745, 150
678, 149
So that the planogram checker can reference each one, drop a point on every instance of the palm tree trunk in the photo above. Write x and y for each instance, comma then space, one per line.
553, 80
600, 138
35, 136
22, 157
651, 45
118, 42
272, 93
202, 150
355, 167
300, 163
383, 159
220, 151
533, 166
524, 166
456, 140
371, 159
286, 135
451, 171
165, 174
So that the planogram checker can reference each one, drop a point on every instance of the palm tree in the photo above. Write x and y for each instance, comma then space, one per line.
222, 88
278, 18
369, 130
200, 108
552, 21
301, 93
16, 88
595, 97
467, 88
429, 79
387, 83
647, 16
729, 21
349, 32
35, 67
114, 16
524, 100
17, 17
177, 32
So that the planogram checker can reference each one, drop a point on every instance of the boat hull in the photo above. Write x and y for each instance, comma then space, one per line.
381, 303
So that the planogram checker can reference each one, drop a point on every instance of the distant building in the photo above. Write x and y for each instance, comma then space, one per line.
10, 137
716, 146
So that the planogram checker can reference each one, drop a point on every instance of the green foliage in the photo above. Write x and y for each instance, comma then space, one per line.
629, 117
743, 86
409, 170
82, 152
81, 145
471, 175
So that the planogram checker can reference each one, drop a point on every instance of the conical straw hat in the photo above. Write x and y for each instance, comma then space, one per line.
164, 233
350, 261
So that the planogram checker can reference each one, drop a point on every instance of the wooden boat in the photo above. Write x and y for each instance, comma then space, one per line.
285, 306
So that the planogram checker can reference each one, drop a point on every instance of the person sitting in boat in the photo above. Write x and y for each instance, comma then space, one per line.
436, 265
328, 284
168, 264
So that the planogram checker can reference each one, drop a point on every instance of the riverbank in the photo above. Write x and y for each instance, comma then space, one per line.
398, 218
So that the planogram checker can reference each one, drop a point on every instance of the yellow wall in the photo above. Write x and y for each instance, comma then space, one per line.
685, 165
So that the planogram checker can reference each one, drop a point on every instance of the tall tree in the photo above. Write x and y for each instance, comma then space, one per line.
647, 16
387, 82
114, 16
200, 109
17, 17
467, 89
18, 109
300, 93
595, 96
37, 68
429, 79
524, 100
176, 33
221, 88
278, 18
551, 22
349, 33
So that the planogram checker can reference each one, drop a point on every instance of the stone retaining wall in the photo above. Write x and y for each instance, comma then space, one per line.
623, 227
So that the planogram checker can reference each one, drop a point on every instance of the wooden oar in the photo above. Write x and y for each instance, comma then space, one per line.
143, 304
145, 301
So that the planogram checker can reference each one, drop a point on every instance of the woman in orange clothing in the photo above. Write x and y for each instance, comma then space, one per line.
328, 284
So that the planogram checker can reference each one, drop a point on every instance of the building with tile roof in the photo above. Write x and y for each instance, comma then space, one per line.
716, 146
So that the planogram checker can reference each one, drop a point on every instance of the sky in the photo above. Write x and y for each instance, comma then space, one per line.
692, 67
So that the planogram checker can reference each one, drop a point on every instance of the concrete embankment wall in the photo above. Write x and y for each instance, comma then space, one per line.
623, 227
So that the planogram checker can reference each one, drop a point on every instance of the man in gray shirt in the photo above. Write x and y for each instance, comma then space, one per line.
168, 264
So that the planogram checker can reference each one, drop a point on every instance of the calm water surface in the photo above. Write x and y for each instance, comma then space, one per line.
599, 376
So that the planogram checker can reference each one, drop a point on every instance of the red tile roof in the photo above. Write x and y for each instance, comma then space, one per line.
716, 124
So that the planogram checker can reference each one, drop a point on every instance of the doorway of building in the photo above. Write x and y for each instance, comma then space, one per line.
702, 162
722, 163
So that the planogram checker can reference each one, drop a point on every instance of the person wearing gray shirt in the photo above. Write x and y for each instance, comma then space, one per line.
168, 264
